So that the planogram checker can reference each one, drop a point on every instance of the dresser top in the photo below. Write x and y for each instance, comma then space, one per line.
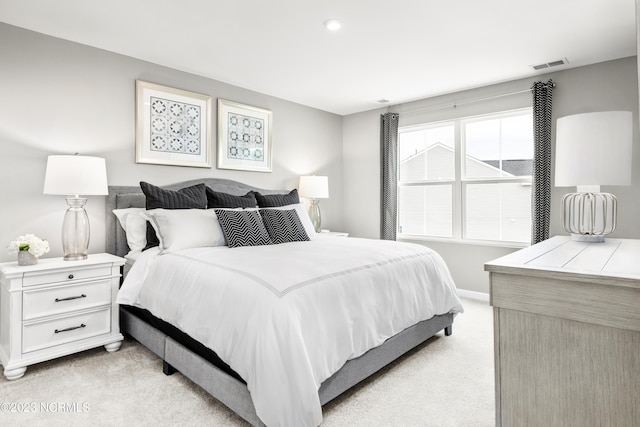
564, 258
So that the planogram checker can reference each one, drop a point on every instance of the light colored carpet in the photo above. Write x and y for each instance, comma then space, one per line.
448, 381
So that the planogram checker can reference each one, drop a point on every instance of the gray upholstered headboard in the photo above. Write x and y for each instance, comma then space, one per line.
121, 197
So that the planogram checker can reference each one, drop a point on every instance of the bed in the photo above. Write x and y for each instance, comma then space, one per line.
190, 350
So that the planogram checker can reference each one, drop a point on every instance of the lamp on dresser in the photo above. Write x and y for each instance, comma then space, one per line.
74, 176
592, 149
314, 188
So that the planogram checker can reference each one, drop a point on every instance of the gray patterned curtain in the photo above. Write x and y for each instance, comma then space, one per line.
541, 191
389, 168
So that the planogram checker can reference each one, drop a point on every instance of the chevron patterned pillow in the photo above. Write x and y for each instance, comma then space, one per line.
283, 225
243, 228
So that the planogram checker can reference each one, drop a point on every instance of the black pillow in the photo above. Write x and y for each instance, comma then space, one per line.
277, 200
283, 226
243, 228
216, 199
193, 197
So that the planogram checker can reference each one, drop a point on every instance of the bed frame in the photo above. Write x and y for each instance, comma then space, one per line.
230, 391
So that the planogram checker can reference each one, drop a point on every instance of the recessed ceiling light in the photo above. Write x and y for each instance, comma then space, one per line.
333, 24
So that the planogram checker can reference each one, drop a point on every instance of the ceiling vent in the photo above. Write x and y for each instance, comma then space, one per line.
539, 67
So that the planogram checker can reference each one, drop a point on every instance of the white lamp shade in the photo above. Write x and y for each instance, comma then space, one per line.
314, 187
594, 149
76, 175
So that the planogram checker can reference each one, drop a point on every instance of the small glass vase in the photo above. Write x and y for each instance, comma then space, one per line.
26, 258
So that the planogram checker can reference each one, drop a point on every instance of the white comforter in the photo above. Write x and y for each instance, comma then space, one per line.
286, 317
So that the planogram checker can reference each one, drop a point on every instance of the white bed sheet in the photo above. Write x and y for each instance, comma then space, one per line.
286, 317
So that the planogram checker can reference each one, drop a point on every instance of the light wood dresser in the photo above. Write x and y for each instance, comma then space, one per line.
55, 308
567, 334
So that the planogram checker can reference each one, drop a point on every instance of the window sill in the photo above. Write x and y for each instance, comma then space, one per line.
493, 243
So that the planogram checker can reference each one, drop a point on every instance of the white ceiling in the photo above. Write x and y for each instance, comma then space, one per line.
399, 50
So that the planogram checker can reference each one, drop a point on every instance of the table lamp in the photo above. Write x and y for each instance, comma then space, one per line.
592, 149
74, 176
314, 188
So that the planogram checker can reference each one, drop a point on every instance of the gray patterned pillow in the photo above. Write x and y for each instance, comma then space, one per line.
216, 199
193, 197
277, 200
283, 225
242, 228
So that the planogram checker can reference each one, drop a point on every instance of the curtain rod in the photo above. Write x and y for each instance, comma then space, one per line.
471, 101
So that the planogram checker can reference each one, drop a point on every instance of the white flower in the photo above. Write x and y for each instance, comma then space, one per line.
29, 242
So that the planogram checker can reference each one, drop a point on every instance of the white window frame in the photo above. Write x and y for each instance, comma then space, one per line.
460, 184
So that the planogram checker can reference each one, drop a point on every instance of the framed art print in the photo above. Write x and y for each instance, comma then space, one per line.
244, 137
173, 126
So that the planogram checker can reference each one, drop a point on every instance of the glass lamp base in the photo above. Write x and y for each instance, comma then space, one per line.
314, 214
75, 257
75, 230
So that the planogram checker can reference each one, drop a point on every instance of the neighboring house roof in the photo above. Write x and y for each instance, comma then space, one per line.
422, 152
516, 167
521, 167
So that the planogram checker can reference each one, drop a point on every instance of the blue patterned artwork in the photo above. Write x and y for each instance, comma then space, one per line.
175, 127
245, 137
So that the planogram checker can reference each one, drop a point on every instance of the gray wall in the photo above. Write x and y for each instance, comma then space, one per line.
59, 97
610, 85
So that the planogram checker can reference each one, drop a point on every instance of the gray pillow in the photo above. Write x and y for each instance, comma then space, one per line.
193, 197
277, 200
216, 199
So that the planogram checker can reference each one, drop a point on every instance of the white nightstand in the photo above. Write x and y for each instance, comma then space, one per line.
56, 308
334, 233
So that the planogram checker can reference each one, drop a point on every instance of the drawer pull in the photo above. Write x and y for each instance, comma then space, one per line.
70, 298
71, 276
82, 325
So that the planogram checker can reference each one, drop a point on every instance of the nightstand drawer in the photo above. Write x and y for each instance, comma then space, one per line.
36, 336
65, 275
62, 299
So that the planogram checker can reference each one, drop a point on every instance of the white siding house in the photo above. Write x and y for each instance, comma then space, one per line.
499, 211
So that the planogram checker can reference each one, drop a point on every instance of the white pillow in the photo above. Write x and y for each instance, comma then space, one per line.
134, 226
185, 228
303, 214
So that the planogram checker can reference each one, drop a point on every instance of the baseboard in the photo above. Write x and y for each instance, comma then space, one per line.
480, 296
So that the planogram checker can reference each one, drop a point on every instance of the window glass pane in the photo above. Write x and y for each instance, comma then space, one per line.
499, 147
498, 212
427, 154
426, 210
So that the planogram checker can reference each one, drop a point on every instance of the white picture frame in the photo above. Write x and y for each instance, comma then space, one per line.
173, 126
244, 137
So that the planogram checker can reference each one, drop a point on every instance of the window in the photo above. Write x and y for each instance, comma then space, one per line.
467, 179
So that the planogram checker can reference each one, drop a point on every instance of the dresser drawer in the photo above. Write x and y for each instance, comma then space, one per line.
36, 336
63, 299
65, 275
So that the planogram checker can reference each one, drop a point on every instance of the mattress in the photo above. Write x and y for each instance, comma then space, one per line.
286, 317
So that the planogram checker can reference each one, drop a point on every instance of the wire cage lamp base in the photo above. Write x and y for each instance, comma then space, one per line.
588, 217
